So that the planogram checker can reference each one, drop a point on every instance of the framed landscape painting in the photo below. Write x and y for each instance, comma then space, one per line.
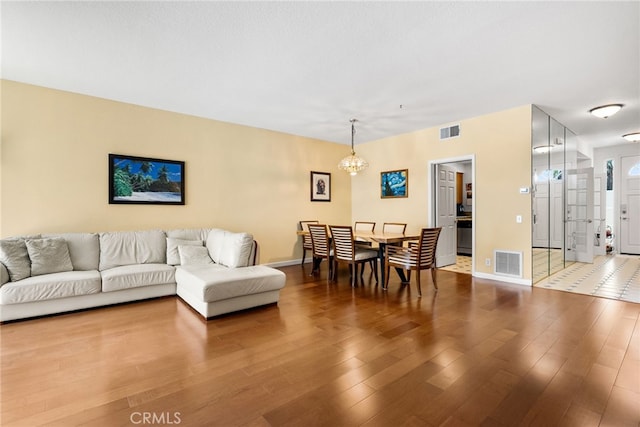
142, 180
320, 187
394, 184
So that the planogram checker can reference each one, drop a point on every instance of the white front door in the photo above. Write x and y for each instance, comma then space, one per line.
630, 205
579, 215
446, 215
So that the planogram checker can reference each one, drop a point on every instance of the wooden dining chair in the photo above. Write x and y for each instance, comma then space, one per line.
369, 227
417, 257
321, 248
394, 227
345, 251
306, 238
364, 226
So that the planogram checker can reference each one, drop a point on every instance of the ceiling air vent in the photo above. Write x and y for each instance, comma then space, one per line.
450, 132
508, 263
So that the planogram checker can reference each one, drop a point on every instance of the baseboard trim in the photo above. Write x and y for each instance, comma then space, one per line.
513, 280
288, 263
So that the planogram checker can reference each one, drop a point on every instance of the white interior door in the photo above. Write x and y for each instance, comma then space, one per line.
446, 215
630, 205
579, 217
541, 215
556, 219
548, 210
599, 214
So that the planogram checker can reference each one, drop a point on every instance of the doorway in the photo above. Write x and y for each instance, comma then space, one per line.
452, 210
630, 205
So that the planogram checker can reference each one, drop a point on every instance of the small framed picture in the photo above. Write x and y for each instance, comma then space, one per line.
320, 186
394, 184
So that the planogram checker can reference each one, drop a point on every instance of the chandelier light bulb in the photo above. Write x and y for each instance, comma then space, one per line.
352, 163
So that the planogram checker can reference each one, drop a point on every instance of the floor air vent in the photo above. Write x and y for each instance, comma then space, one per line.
508, 263
450, 132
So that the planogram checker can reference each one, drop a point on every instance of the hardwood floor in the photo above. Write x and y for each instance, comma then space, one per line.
476, 353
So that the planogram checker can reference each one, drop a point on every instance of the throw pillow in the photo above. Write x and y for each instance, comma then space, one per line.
48, 256
173, 257
14, 256
194, 255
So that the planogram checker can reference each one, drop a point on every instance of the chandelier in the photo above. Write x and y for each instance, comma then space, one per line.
352, 163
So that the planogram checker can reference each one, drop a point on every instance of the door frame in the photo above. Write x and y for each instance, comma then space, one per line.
623, 193
432, 186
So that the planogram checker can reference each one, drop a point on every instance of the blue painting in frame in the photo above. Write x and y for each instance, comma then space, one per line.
143, 180
394, 184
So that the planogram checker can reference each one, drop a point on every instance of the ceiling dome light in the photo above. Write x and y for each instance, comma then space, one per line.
605, 111
352, 163
632, 137
543, 148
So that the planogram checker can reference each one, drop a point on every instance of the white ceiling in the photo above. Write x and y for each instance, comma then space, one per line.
306, 68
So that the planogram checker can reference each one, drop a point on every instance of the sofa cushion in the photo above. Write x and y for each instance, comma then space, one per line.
51, 286
15, 257
194, 255
173, 256
215, 283
230, 249
48, 256
214, 242
132, 247
4, 274
189, 233
84, 249
135, 276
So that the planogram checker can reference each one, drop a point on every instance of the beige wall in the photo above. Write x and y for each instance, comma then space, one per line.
53, 176
501, 143
54, 169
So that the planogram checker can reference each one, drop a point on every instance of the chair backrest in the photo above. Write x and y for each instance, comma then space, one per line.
364, 226
427, 246
343, 245
306, 239
319, 240
394, 227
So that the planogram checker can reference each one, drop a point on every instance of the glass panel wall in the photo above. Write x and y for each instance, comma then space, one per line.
550, 142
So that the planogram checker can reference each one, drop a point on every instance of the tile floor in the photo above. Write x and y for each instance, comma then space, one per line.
546, 260
462, 265
610, 276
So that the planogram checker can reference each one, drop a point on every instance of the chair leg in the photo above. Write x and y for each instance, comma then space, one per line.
354, 275
386, 277
433, 277
418, 282
316, 266
304, 254
375, 271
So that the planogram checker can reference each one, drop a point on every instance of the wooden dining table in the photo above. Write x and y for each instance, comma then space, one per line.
382, 239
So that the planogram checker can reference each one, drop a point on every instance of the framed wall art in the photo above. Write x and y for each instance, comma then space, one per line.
320, 186
394, 184
142, 180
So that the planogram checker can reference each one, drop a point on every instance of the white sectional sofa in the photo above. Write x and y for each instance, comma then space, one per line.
212, 270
